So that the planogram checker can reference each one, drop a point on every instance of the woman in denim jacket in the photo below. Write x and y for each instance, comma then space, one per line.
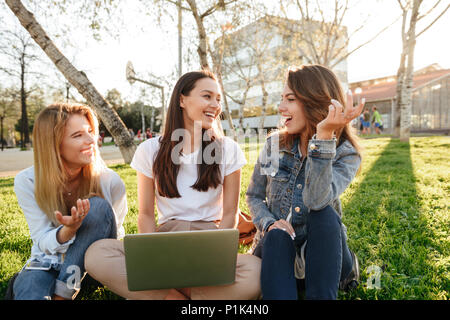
295, 187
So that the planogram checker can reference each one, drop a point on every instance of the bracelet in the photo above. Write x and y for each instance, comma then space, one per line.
315, 134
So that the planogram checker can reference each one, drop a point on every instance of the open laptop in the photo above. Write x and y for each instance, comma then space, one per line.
181, 259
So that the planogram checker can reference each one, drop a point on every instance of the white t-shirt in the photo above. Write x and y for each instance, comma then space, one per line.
193, 205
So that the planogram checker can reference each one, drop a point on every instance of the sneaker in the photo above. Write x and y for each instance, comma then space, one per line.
9, 295
352, 280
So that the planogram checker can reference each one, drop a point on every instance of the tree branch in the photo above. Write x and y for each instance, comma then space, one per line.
363, 44
437, 18
214, 8
429, 11
175, 3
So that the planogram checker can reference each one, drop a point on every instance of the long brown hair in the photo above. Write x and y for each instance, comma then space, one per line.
165, 170
315, 86
50, 174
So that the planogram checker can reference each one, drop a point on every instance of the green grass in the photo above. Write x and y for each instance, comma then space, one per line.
397, 212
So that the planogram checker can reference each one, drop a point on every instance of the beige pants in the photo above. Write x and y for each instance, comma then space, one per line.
105, 262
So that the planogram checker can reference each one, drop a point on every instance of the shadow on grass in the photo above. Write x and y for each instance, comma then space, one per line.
387, 230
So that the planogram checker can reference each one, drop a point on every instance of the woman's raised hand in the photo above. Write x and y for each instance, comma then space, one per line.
338, 116
77, 214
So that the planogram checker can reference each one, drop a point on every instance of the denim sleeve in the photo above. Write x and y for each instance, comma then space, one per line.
328, 171
256, 193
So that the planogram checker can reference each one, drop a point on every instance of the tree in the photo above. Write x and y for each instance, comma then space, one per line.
261, 65
8, 110
217, 63
411, 15
20, 53
204, 50
204, 47
114, 97
35, 103
243, 72
78, 79
323, 33
199, 17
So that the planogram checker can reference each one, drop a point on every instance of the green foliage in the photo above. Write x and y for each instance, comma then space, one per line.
396, 210
130, 113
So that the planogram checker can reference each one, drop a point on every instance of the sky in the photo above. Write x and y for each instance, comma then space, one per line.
153, 51
382, 56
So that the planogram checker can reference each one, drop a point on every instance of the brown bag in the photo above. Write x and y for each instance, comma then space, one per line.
247, 229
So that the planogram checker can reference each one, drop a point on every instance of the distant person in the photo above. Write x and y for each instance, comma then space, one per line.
366, 122
139, 134
148, 134
69, 198
361, 120
376, 120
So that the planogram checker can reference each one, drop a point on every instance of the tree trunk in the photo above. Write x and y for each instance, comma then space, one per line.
25, 134
401, 75
1, 130
400, 81
264, 106
202, 49
405, 81
265, 95
227, 109
406, 96
217, 65
78, 79
143, 121
241, 108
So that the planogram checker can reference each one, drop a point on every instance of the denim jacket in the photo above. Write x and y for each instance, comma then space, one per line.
283, 183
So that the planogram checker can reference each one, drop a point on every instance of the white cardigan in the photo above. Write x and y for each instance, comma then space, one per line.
42, 230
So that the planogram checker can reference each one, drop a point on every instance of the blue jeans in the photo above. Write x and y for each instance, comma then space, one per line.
327, 258
65, 279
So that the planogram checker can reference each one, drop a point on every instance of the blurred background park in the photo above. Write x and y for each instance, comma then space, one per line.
124, 57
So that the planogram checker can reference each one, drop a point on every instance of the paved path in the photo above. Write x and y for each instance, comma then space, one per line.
13, 160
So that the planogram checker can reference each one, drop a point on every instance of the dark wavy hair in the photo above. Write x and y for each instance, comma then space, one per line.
315, 86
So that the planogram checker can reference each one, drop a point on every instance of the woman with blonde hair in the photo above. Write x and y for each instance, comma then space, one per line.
70, 199
295, 187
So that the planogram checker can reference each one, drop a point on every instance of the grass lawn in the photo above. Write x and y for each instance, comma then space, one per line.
397, 211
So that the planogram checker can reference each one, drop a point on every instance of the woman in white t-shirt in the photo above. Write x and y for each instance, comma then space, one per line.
193, 173
69, 199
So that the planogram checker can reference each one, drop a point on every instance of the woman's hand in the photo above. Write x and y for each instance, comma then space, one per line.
338, 117
283, 225
77, 215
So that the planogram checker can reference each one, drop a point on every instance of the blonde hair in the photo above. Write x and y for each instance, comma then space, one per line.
49, 171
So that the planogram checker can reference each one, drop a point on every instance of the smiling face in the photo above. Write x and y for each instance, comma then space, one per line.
77, 146
202, 104
291, 109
